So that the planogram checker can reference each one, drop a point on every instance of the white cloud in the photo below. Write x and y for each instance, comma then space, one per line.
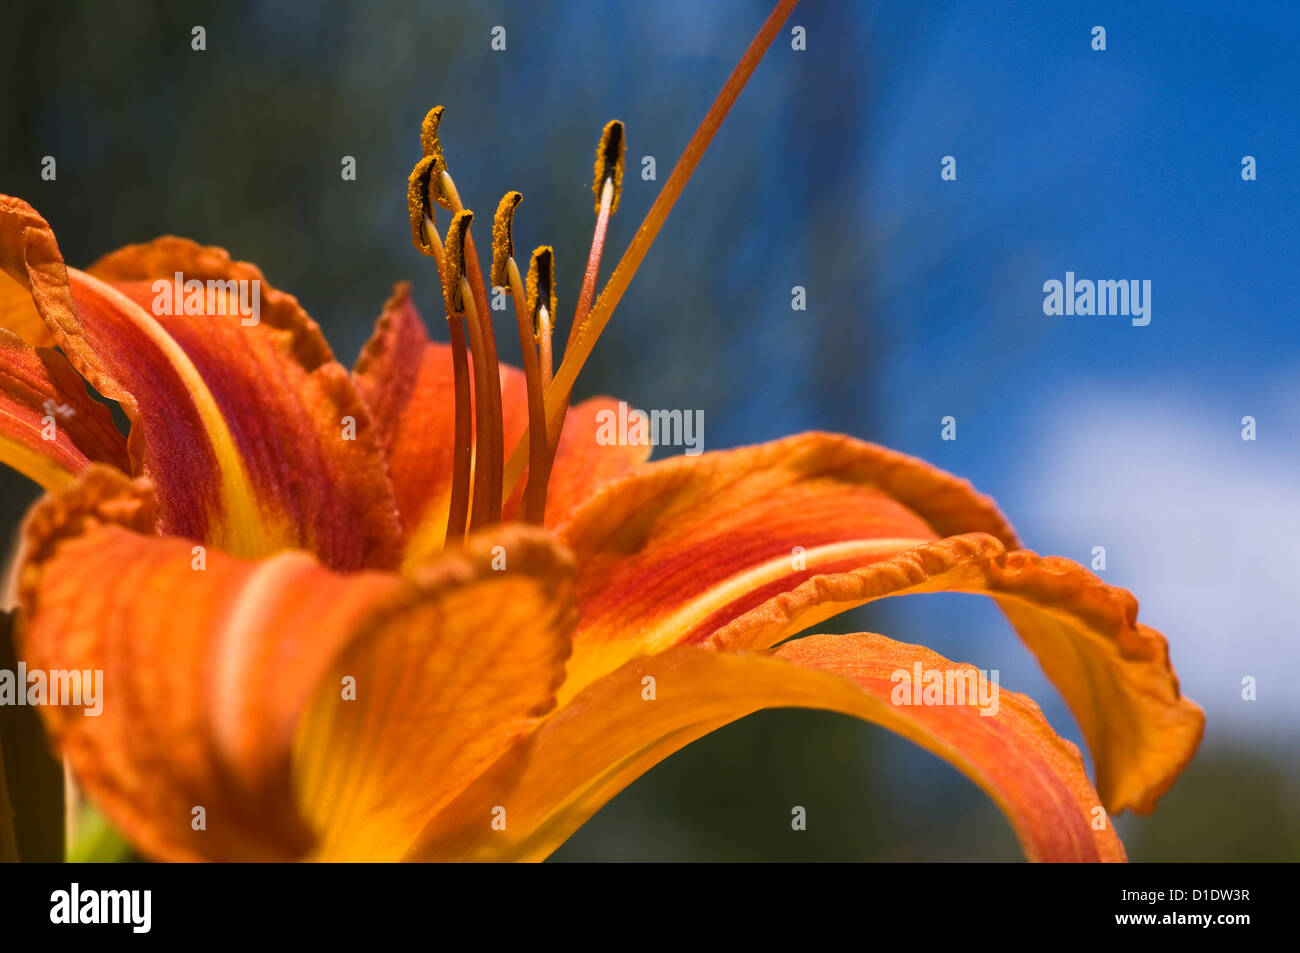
1201, 525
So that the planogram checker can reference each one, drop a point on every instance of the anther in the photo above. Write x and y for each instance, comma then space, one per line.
611, 156
503, 243
454, 261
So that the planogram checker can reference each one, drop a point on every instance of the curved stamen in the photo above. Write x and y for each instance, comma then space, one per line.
421, 209
460, 301
538, 466
463, 436
424, 191
490, 437
503, 238
458, 504
505, 274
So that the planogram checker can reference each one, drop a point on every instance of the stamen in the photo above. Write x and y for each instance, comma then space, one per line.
541, 297
490, 438
432, 148
505, 274
542, 304
608, 185
611, 157
421, 211
534, 507
462, 461
503, 240
586, 335
424, 235
429, 142
460, 300
458, 505
454, 261
542, 333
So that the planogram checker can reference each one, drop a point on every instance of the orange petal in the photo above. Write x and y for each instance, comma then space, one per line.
745, 548
441, 693
611, 733
1113, 671
582, 463
18, 313
50, 427
674, 551
253, 436
202, 703
406, 380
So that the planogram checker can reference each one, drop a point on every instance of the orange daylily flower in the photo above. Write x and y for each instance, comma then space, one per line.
332, 612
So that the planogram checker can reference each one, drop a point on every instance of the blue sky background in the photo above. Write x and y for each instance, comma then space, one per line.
924, 300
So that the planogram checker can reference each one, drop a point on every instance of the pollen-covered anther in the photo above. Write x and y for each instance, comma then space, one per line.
503, 242
431, 145
540, 288
611, 157
427, 170
432, 171
429, 142
453, 267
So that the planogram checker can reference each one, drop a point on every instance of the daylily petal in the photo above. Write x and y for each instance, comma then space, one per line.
441, 693
703, 551
18, 313
1113, 671
264, 444
42, 397
611, 733
203, 700
583, 464
406, 380
669, 554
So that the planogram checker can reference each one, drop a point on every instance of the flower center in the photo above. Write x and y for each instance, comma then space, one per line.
479, 450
